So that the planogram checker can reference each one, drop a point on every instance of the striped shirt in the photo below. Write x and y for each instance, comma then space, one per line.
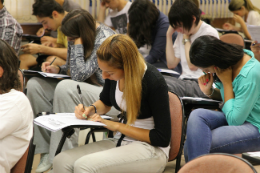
10, 30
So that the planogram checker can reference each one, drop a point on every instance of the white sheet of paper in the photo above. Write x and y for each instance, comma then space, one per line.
254, 31
53, 75
168, 71
55, 122
199, 99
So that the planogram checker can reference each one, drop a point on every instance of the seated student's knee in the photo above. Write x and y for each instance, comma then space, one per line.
81, 166
63, 160
33, 85
62, 87
197, 115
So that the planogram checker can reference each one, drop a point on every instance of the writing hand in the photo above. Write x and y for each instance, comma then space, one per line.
31, 48
46, 67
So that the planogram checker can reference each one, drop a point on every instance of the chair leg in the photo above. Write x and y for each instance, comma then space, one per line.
93, 137
178, 163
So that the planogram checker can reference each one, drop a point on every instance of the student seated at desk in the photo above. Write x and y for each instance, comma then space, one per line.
16, 116
117, 18
148, 27
141, 143
184, 17
67, 5
85, 36
50, 14
235, 129
10, 30
245, 13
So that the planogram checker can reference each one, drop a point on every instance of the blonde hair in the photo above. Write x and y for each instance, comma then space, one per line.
235, 5
120, 52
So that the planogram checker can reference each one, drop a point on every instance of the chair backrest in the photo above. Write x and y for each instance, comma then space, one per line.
218, 162
24, 165
21, 78
233, 39
177, 125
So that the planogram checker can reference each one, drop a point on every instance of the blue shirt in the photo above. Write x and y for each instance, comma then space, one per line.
157, 51
246, 87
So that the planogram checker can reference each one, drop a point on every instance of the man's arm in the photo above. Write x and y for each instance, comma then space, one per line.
172, 61
102, 13
187, 53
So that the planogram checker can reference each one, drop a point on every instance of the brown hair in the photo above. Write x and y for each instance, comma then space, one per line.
120, 51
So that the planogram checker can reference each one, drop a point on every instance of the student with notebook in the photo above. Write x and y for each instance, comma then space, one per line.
245, 13
50, 14
16, 116
85, 36
184, 17
236, 128
148, 27
10, 30
141, 142
67, 5
117, 18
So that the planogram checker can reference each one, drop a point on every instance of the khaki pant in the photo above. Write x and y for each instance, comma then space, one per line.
105, 157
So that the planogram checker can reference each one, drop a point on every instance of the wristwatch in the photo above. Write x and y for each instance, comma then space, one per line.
185, 40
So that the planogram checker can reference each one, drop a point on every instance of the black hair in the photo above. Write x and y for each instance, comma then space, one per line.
208, 51
80, 23
10, 64
182, 12
143, 15
44, 8
3, 1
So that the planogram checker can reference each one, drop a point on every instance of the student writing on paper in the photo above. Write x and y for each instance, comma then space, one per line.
141, 143
85, 35
50, 14
245, 13
148, 27
16, 116
235, 129
184, 17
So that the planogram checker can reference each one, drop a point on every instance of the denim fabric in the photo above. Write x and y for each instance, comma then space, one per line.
209, 132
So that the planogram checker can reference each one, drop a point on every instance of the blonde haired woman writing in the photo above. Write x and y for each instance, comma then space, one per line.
141, 142
245, 13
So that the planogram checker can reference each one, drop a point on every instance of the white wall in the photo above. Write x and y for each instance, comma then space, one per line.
256, 3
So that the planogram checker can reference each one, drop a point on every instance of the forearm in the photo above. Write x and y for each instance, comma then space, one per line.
245, 31
102, 15
60, 52
228, 91
101, 108
130, 131
187, 55
172, 61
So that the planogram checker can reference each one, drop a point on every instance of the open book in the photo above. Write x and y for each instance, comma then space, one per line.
44, 74
58, 121
254, 31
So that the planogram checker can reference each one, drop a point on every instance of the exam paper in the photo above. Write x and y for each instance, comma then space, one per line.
55, 122
199, 99
254, 31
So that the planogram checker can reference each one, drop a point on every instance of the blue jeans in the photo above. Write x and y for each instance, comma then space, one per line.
209, 132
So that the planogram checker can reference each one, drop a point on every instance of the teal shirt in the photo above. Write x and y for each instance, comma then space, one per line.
246, 87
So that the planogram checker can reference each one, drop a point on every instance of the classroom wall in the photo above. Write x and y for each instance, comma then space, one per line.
256, 3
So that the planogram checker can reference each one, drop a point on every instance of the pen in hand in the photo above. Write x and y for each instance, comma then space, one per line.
80, 95
51, 63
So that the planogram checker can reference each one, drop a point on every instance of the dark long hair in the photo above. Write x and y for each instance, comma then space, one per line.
10, 64
143, 15
80, 23
209, 51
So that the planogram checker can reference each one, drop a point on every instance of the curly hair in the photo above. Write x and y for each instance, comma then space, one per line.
143, 15
10, 64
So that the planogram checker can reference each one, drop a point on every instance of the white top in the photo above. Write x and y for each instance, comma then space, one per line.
118, 19
253, 18
16, 128
147, 123
179, 50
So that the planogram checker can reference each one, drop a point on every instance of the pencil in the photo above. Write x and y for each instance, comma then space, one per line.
52, 61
